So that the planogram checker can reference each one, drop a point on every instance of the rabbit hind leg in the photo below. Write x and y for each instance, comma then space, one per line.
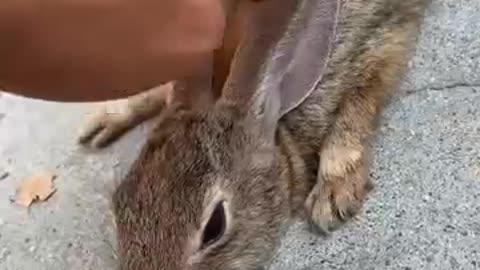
342, 182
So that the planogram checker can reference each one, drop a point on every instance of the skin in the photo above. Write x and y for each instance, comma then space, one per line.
104, 49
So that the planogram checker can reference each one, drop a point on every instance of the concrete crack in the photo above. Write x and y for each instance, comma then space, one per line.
443, 87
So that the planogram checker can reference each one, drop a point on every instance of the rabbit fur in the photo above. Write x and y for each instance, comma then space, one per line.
216, 188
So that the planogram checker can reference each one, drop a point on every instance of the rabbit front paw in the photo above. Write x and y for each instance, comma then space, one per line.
117, 117
340, 191
106, 125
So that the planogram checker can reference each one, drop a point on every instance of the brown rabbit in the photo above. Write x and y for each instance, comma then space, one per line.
216, 188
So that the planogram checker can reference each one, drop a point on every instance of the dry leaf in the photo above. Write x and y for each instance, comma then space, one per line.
38, 188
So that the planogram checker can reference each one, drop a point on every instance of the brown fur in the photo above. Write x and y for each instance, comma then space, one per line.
315, 167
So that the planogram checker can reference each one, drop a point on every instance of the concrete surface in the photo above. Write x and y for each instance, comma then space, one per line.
424, 214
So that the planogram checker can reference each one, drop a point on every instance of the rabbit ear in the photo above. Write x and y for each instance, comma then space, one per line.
252, 85
281, 57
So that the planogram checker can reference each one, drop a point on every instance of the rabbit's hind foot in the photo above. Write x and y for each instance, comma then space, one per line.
342, 187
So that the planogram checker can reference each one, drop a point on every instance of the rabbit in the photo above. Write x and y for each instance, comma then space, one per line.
216, 188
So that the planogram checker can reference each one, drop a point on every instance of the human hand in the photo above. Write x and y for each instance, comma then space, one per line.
104, 49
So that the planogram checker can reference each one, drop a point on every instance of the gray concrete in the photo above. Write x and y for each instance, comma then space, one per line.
424, 214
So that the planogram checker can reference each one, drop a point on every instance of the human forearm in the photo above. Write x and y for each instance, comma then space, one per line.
95, 49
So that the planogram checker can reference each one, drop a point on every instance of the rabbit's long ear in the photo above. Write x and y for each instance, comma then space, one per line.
251, 85
281, 57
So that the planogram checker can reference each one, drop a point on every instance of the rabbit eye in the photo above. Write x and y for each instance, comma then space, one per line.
215, 227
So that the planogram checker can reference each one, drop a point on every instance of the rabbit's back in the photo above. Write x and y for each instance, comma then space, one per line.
373, 42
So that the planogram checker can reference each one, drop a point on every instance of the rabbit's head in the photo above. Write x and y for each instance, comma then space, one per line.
204, 194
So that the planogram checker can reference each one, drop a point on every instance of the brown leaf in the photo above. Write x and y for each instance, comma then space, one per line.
38, 188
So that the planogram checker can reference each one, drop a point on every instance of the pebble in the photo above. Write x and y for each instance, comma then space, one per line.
4, 253
3, 174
